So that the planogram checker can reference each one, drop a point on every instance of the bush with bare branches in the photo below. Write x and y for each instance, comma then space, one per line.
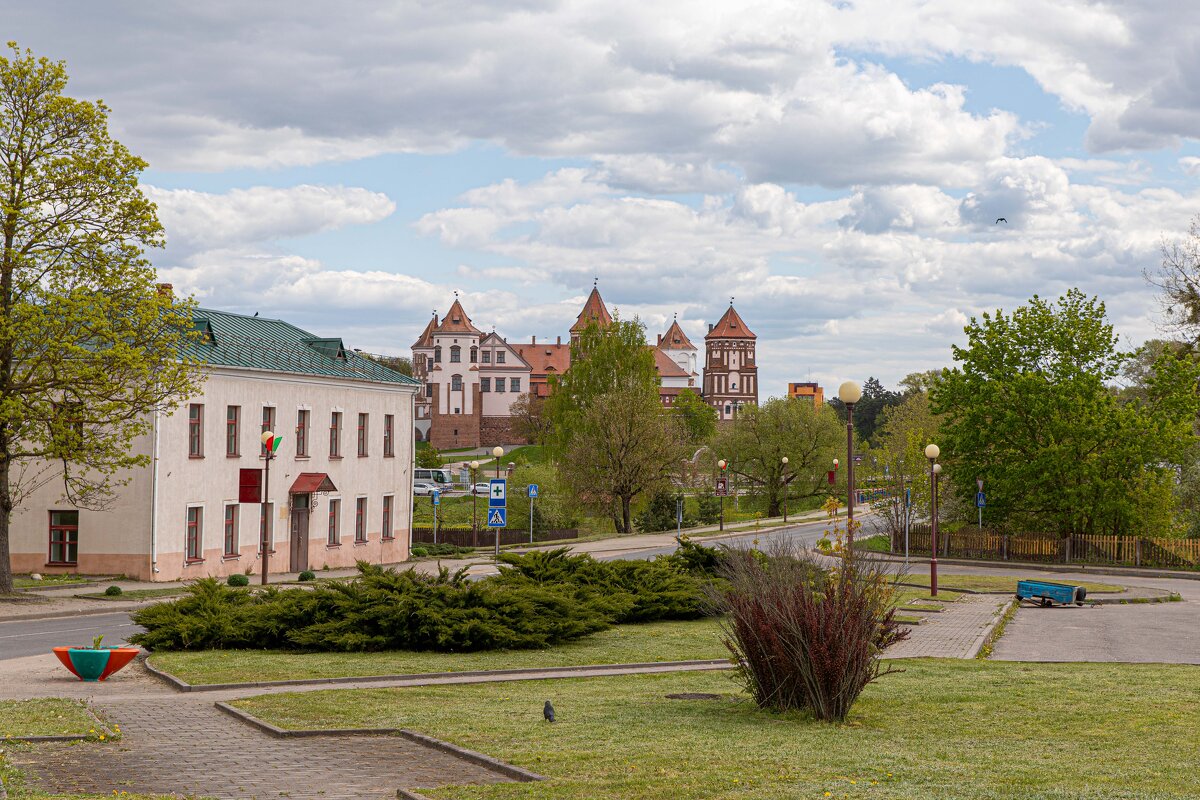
806, 636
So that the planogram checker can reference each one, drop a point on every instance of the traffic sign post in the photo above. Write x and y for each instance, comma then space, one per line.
497, 516
436, 498
532, 491
980, 500
907, 517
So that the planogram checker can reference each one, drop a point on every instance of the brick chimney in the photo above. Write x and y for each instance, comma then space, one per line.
534, 341
559, 340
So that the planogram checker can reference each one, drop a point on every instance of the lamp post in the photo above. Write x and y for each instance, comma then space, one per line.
498, 451
269, 445
721, 465
474, 501
784, 460
849, 393
932, 451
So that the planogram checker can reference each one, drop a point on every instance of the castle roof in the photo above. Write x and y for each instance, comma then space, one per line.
675, 338
426, 337
730, 326
594, 310
457, 321
666, 367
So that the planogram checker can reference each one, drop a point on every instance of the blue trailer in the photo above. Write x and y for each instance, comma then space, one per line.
1050, 593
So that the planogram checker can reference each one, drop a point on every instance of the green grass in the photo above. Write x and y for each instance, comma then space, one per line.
25, 582
993, 583
967, 730
656, 641
135, 594
878, 543
45, 717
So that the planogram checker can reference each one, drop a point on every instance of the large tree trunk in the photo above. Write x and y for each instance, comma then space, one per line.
626, 519
6, 576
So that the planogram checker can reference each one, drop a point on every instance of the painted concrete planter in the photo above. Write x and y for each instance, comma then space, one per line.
95, 664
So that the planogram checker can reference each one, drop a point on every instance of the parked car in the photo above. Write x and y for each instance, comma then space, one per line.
481, 489
424, 488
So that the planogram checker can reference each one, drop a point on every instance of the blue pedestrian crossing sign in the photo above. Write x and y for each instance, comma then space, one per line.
437, 497
980, 500
533, 490
497, 492
497, 517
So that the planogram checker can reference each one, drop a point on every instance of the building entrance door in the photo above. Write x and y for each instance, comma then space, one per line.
299, 533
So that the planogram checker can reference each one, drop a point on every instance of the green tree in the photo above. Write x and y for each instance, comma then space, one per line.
89, 348
1031, 412
611, 437
868, 409
401, 364
763, 435
429, 458
698, 417
529, 418
899, 460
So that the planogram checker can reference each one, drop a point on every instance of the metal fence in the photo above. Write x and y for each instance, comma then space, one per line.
1137, 551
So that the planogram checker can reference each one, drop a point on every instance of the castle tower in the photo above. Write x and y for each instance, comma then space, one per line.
594, 310
452, 382
422, 360
730, 371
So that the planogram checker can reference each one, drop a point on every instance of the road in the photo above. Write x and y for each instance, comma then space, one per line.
21, 638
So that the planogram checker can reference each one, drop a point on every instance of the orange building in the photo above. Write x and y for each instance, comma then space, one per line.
807, 391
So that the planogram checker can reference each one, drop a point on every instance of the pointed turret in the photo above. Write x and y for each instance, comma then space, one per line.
426, 337
594, 310
457, 321
675, 338
730, 326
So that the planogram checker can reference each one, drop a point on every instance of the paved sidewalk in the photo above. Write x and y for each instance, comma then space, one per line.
957, 632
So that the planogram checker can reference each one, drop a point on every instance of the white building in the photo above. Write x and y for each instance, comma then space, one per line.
340, 485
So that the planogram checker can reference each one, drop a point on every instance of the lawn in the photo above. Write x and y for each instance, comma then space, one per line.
968, 730
135, 594
46, 717
655, 641
48, 581
992, 583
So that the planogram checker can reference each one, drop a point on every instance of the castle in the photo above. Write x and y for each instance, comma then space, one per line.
471, 379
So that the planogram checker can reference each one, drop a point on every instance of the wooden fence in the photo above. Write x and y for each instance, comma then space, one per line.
1138, 551
486, 537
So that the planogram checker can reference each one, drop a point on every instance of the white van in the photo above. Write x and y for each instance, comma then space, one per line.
439, 477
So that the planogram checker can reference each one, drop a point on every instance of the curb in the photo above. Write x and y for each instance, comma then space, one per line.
83, 612
68, 737
480, 759
1095, 569
983, 638
529, 673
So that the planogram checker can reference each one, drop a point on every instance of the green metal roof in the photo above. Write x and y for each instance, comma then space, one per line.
236, 340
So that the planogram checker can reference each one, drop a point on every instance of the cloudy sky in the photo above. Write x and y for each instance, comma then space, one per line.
837, 167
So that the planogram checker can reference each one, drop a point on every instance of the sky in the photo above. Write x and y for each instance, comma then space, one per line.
835, 167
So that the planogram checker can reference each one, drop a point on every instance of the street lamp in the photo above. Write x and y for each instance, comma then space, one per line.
497, 451
785, 488
932, 451
474, 500
721, 465
849, 393
267, 539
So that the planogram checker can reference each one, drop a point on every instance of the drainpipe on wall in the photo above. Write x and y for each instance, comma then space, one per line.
154, 503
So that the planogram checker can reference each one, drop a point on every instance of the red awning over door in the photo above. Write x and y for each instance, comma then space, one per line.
309, 482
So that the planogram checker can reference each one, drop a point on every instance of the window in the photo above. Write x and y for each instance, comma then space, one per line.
437, 355
514, 384
195, 531
474, 354
64, 537
428, 363
302, 432
388, 425
429, 390
387, 517
456, 383
485, 384
335, 513
500, 357
196, 430
360, 519
266, 527
335, 434
231, 530
500, 385
268, 424
487, 356
233, 426
455, 354
362, 434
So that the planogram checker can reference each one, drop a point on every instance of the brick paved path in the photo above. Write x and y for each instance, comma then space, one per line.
956, 632
188, 747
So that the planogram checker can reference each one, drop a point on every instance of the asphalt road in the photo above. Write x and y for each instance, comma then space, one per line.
21, 638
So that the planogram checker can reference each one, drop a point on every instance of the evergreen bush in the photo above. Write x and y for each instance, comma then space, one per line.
238, 579
113, 591
306, 575
708, 507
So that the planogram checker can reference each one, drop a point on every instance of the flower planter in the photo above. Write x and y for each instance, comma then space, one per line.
95, 664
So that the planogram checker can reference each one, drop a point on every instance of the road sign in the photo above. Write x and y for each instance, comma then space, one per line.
533, 490
497, 517
980, 500
979, 483
497, 491
722, 486
907, 496
437, 497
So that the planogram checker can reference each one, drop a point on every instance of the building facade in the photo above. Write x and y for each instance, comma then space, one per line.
340, 484
468, 402
809, 392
